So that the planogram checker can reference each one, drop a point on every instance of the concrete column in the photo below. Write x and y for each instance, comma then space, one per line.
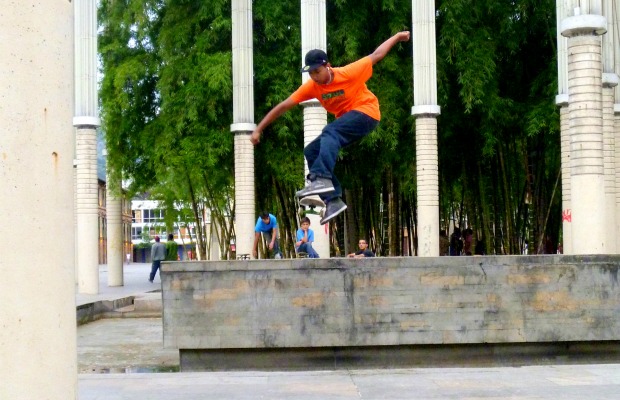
610, 81
567, 242
428, 181
38, 358
87, 234
214, 241
614, 32
617, 163
114, 217
609, 150
314, 36
86, 121
243, 124
586, 131
563, 10
425, 110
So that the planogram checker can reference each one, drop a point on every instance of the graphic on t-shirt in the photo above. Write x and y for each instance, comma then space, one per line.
331, 95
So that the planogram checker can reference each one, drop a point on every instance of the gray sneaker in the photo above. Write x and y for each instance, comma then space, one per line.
317, 186
335, 207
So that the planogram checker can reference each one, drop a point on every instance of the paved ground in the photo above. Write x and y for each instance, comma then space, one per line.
128, 349
591, 382
124, 345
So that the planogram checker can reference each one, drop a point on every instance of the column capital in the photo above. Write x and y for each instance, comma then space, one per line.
86, 121
311, 103
561, 100
241, 127
427, 109
584, 24
610, 80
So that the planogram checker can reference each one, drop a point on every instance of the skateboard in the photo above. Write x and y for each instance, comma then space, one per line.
308, 205
243, 257
302, 254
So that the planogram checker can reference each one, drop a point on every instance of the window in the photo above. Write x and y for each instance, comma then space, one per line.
136, 233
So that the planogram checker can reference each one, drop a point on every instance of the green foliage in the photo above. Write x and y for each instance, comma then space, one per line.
166, 98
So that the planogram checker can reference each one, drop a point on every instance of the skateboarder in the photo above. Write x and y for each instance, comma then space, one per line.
342, 92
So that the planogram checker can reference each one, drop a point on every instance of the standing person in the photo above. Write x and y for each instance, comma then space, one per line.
444, 243
158, 254
456, 242
468, 238
267, 224
172, 249
364, 251
305, 238
342, 92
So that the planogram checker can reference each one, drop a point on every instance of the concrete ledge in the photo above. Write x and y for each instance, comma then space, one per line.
325, 304
93, 311
334, 358
146, 305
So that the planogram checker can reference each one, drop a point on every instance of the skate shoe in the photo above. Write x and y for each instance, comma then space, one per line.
334, 207
317, 186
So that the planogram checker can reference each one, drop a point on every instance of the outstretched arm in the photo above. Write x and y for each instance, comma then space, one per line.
271, 116
386, 46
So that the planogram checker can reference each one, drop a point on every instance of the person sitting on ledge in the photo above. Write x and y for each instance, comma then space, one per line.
364, 251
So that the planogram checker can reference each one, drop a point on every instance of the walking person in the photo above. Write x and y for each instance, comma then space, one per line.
158, 254
342, 92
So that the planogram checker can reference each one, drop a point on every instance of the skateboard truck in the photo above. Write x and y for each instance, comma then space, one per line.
308, 204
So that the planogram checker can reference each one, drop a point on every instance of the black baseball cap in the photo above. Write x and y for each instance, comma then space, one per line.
314, 59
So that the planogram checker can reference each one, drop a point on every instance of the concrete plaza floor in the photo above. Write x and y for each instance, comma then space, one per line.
116, 358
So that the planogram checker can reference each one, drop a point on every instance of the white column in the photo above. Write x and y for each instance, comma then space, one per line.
425, 110
614, 32
567, 225
586, 132
114, 245
564, 9
609, 146
610, 80
243, 124
314, 36
215, 254
611, 11
86, 121
38, 358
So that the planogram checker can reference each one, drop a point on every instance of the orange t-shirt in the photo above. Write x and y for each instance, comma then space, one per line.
346, 92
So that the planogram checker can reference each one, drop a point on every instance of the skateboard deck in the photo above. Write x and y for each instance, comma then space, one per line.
311, 201
308, 205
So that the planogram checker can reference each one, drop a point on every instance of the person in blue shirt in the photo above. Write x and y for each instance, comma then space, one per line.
305, 238
267, 224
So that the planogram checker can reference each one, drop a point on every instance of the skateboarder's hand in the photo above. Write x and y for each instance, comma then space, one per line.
255, 137
404, 36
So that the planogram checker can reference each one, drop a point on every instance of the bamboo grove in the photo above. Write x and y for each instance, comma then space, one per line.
166, 100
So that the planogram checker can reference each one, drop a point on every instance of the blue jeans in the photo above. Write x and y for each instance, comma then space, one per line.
322, 152
307, 248
276, 244
154, 268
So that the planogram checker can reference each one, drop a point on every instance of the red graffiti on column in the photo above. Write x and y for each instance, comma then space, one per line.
567, 215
